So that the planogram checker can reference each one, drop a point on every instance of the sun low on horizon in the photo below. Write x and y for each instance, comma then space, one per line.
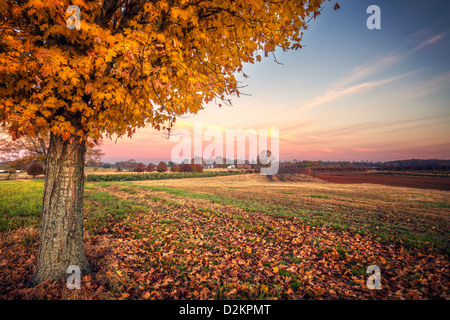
351, 93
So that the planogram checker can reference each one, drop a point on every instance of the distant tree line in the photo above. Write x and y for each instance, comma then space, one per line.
158, 175
132, 165
309, 167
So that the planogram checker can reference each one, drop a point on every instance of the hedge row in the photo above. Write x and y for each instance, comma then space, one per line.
158, 176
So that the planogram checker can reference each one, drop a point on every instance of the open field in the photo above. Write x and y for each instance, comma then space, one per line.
239, 237
19, 176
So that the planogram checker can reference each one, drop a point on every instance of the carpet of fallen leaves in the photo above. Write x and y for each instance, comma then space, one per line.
183, 248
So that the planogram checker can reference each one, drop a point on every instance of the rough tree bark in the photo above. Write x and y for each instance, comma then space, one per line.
61, 235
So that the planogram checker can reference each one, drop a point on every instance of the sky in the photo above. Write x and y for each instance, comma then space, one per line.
351, 93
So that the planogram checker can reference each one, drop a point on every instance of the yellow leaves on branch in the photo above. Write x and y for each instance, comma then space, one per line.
133, 63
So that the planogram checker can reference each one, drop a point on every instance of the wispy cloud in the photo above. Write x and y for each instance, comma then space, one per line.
398, 124
430, 86
363, 149
338, 93
356, 80
363, 71
329, 150
366, 70
427, 42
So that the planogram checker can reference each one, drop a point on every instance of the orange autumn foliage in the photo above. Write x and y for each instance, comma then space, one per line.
133, 63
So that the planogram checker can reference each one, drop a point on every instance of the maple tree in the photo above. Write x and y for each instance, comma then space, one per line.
140, 167
150, 167
185, 167
131, 64
162, 167
35, 169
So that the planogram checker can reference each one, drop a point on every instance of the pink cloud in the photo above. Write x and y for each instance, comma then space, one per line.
363, 149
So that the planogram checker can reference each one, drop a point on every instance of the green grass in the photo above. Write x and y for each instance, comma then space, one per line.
128, 190
101, 207
249, 206
167, 221
89, 186
435, 204
20, 204
358, 271
319, 196
342, 251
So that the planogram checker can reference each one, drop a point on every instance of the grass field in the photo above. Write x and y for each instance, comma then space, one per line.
238, 237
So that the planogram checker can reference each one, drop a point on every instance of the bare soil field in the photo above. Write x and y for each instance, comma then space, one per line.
389, 180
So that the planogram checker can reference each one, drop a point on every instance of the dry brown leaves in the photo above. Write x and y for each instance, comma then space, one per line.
200, 250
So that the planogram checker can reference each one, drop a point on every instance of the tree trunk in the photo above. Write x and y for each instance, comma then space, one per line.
61, 235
